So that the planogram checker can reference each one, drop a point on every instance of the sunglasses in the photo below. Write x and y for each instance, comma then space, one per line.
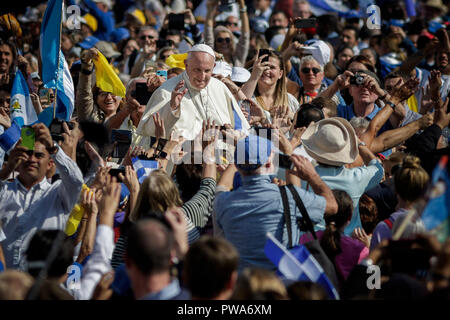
308, 70
226, 40
234, 24
147, 36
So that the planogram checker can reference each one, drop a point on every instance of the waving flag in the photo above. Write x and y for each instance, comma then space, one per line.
50, 42
297, 264
320, 7
436, 214
106, 77
144, 167
21, 110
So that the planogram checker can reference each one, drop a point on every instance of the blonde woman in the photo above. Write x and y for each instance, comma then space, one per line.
267, 86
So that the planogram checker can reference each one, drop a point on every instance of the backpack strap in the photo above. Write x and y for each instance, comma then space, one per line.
303, 210
287, 214
388, 223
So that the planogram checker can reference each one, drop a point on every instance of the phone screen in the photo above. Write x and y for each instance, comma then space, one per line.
284, 162
162, 73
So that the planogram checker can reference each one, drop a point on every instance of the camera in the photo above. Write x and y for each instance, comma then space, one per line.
56, 129
357, 79
226, 5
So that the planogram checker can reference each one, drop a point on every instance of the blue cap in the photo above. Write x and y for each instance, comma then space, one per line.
89, 42
259, 25
252, 152
119, 34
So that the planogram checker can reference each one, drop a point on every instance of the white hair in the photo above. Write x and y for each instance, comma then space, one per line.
359, 122
310, 58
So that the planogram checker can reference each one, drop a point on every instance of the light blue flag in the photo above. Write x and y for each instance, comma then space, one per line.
21, 110
437, 212
144, 167
298, 264
50, 42
319, 7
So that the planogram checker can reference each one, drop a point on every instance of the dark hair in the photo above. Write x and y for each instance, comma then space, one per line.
39, 248
322, 102
368, 212
347, 27
342, 48
188, 178
13, 49
393, 75
331, 238
308, 113
151, 250
209, 265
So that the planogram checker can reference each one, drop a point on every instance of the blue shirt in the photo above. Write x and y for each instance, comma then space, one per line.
355, 182
170, 292
246, 215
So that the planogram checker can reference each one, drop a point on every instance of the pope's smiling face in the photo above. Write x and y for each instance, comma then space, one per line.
199, 68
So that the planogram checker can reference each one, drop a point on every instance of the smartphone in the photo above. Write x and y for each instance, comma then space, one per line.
263, 132
162, 73
122, 140
262, 52
141, 94
28, 137
176, 21
161, 144
305, 23
284, 161
44, 95
115, 173
57, 129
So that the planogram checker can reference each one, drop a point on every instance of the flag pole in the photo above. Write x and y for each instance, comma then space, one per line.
59, 56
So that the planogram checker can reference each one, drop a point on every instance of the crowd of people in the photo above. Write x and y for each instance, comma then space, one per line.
254, 122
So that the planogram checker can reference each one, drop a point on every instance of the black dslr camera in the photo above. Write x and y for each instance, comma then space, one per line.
357, 79
57, 129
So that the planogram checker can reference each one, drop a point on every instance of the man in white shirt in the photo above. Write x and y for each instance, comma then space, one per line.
192, 97
30, 202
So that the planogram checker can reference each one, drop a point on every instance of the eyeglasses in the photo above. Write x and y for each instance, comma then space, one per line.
234, 24
308, 70
104, 94
143, 37
226, 40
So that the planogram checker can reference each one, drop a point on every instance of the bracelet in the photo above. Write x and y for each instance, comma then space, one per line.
243, 9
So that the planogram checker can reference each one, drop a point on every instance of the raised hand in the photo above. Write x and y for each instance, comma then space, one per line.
70, 140
177, 94
154, 81
426, 102
100, 178
259, 67
176, 219
17, 156
372, 85
160, 129
110, 201
5, 120
42, 134
88, 201
401, 93
132, 153
130, 180
435, 83
426, 120
343, 80
361, 235
304, 168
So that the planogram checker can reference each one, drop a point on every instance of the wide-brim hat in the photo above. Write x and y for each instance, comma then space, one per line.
331, 141
437, 4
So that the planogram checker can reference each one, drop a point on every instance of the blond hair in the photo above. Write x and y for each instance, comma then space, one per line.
259, 284
158, 193
411, 180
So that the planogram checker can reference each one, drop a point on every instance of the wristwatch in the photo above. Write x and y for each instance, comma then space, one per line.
392, 105
243, 9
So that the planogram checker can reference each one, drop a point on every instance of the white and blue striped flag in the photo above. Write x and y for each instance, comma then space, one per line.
320, 7
21, 110
55, 71
297, 264
144, 167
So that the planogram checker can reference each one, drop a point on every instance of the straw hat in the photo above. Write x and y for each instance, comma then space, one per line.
331, 141
437, 4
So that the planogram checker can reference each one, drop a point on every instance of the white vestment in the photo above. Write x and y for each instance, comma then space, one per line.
214, 102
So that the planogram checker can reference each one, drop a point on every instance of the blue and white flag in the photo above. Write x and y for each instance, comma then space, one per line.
297, 264
320, 7
144, 167
21, 110
50, 45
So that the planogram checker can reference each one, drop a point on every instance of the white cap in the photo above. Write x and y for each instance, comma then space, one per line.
240, 74
320, 51
222, 68
203, 48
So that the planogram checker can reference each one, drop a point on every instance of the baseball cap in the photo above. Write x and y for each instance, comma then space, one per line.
319, 50
107, 49
89, 42
259, 25
252, 152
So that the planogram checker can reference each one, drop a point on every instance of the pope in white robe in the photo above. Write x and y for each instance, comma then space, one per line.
192, 97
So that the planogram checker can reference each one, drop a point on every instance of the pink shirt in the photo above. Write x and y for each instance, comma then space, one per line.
353, 252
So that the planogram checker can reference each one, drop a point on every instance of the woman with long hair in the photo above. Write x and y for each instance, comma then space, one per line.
267, 86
